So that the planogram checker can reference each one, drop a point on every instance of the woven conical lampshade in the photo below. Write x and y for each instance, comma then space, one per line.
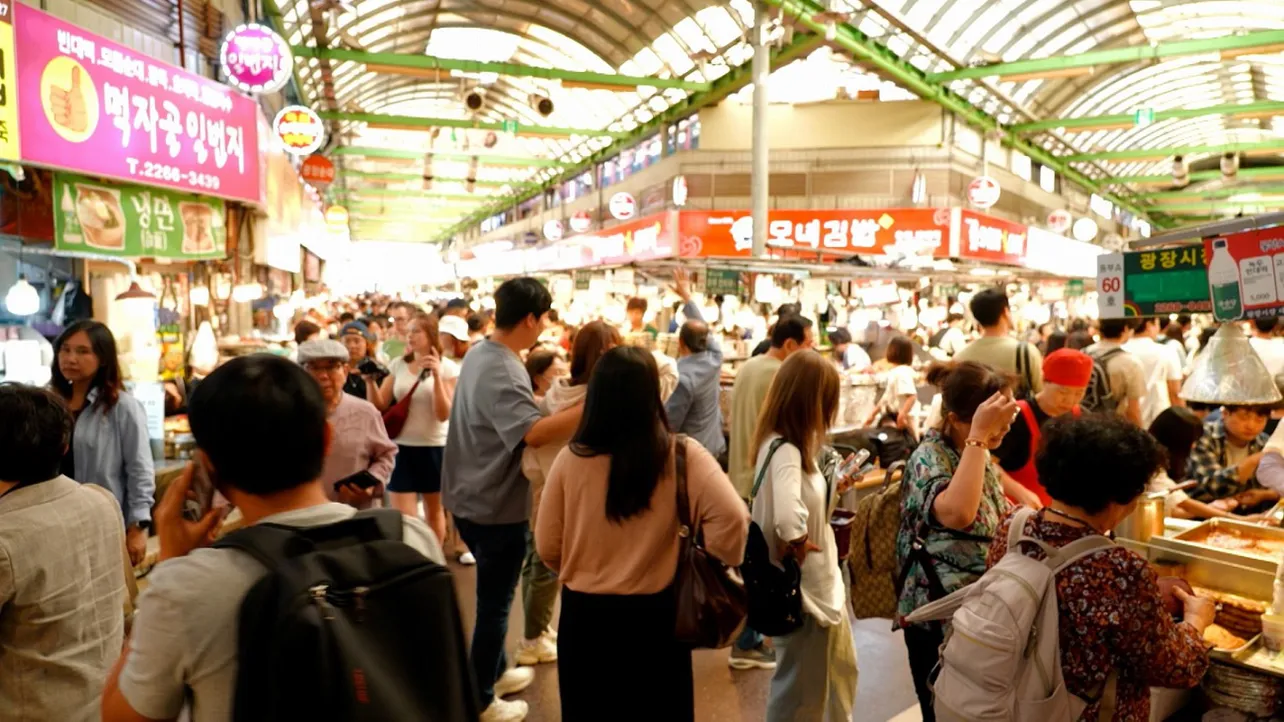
1229, 371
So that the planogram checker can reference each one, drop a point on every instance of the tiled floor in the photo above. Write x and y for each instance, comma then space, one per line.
885, 691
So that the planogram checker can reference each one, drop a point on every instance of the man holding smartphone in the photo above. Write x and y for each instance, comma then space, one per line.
361, 454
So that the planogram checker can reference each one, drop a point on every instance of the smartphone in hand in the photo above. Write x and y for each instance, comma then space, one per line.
200, 497
853, 463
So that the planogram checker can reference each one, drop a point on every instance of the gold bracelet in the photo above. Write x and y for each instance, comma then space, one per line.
977, 443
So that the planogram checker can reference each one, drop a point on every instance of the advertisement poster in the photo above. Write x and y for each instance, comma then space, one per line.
1153, 283
134, 221
10, 148
1246, 274
991, 240
904, 232
102, 109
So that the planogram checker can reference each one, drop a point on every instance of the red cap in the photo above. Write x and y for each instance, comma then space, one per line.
1067, 367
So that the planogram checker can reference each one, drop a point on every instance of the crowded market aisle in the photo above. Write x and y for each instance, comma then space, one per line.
885, 692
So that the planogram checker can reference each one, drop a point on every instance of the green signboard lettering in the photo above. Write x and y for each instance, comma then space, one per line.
1153, 283
722, 282
117, 219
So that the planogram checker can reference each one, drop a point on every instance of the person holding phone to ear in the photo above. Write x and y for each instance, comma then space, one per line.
361, 455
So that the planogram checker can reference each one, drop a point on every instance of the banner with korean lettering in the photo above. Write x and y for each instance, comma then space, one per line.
10, 148
135, 221
991, 240
1153, 283
96, 107
1246, 274
908, 232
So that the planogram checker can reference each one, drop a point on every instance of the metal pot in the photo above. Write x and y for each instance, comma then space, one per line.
1146, 521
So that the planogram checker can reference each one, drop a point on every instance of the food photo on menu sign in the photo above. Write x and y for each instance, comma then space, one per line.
106, 110
130, 220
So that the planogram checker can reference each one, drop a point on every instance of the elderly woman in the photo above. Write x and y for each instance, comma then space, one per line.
358, 441
1111, 608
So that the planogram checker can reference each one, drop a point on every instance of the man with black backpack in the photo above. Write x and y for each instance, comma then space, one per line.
1125, 377
312, 610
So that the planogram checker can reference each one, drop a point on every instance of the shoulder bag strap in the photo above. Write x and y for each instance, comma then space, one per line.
762, 473
680, 479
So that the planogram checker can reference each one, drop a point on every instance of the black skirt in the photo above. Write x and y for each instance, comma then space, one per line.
645, 675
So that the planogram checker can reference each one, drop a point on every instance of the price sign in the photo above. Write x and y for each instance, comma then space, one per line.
1153, 283
722, 282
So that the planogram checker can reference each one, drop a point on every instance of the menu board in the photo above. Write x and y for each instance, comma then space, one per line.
135, 221
96, 107
722, 282
1151, 283
1246, 274
907, 232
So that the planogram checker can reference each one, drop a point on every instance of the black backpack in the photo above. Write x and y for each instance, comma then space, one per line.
349, 624
1099, 398
775, 594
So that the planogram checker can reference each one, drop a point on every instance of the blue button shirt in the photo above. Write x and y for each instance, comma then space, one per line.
112, 450
694, 407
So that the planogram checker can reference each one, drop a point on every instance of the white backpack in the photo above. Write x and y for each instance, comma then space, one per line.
1002, 654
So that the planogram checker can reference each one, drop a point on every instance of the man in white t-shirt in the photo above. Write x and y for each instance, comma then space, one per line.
1162, 366
183, 649
1267, 345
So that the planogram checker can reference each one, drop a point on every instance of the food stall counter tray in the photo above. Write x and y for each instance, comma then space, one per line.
1240, 653
1236, 542
1255, 655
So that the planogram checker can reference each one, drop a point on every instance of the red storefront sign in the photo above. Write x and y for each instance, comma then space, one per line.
991, 240
318, 171
900, 231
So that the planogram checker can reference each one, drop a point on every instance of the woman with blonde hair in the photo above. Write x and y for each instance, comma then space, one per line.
816, 664
429, 378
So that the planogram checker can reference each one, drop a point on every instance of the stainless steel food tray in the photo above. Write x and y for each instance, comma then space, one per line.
1185, 543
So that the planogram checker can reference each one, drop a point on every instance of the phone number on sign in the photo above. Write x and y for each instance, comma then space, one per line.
173, 174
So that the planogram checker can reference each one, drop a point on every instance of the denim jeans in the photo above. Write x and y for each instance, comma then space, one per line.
748, 639
539, 591
500, 549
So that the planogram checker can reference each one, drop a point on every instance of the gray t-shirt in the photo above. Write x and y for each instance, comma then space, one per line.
184, 639
494, 408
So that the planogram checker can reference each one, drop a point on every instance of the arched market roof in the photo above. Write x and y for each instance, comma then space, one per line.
1060, 104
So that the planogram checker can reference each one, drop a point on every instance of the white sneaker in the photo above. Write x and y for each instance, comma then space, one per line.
513, 681
551, 635
467, 559
536, 651
504, 711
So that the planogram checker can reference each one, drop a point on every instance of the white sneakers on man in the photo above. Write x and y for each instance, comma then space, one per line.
513, 681
540, 650
505, 711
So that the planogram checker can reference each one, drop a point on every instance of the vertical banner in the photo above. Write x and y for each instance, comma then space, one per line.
10, 146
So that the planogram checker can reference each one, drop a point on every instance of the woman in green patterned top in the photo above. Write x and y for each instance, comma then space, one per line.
952, 500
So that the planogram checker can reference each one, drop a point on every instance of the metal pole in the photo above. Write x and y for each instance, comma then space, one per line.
758, 177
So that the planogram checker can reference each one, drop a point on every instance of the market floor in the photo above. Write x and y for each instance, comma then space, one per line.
885, 690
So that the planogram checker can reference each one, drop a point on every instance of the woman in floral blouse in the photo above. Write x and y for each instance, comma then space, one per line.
952, 500
1112, 615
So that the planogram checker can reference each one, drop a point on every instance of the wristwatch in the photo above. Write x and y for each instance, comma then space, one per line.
145, 525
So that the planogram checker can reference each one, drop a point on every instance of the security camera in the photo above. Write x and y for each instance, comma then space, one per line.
542, 105
1230, 165
474, 101
1181, 174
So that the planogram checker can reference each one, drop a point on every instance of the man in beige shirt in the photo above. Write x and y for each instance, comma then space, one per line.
996, 347
1127, 377
790, 334
62, 581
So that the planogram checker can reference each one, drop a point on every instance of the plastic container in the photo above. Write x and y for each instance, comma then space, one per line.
1273, 632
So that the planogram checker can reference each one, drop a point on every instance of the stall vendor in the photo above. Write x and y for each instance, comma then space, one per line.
1066, 374
1225, 460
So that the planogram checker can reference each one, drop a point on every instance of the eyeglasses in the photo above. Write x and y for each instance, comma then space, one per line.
323, 366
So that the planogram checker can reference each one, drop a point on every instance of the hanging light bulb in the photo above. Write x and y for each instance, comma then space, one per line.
22, 298
200, 295
246, 292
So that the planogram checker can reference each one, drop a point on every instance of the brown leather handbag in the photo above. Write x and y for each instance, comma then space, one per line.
711, 599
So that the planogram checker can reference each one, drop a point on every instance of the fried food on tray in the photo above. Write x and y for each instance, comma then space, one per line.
1220, 638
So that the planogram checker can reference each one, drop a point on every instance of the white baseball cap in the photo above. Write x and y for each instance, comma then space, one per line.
454, 326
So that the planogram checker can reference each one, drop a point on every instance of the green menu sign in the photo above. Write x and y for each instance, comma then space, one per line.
583, 280
722, 282
135, 221
1152, 283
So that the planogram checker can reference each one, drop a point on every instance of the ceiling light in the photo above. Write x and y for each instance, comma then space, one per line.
542, 104
480, 44
22, 298
135, 291
1049, 74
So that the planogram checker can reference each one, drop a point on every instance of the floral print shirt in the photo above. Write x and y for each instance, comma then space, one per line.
959, 561
1112, 617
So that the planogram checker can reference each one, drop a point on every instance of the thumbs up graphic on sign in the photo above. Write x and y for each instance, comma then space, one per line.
68, 104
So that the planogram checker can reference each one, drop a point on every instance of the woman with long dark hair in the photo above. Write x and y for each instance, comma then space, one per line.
109, 446
815, 676
422, 441
539, 583
608, 524
1177, 429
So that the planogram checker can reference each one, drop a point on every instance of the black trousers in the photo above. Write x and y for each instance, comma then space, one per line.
924, 645
650, 682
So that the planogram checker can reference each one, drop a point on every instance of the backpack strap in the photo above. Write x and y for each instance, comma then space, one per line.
762, 473
274, 545
1078, 549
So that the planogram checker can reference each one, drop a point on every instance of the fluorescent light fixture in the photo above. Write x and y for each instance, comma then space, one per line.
1050, 74
479, 44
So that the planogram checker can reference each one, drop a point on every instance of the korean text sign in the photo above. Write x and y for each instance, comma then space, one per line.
134, 221
92, 106
918, 232
1246, 274
1152, 283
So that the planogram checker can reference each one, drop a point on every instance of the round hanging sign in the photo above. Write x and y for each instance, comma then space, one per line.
553, 230
983, 192
256, 59
336, 215
1059, 221
300, 129
622, 206
581, 222
318, 171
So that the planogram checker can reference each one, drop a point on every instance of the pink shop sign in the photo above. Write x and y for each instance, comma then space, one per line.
101, 109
